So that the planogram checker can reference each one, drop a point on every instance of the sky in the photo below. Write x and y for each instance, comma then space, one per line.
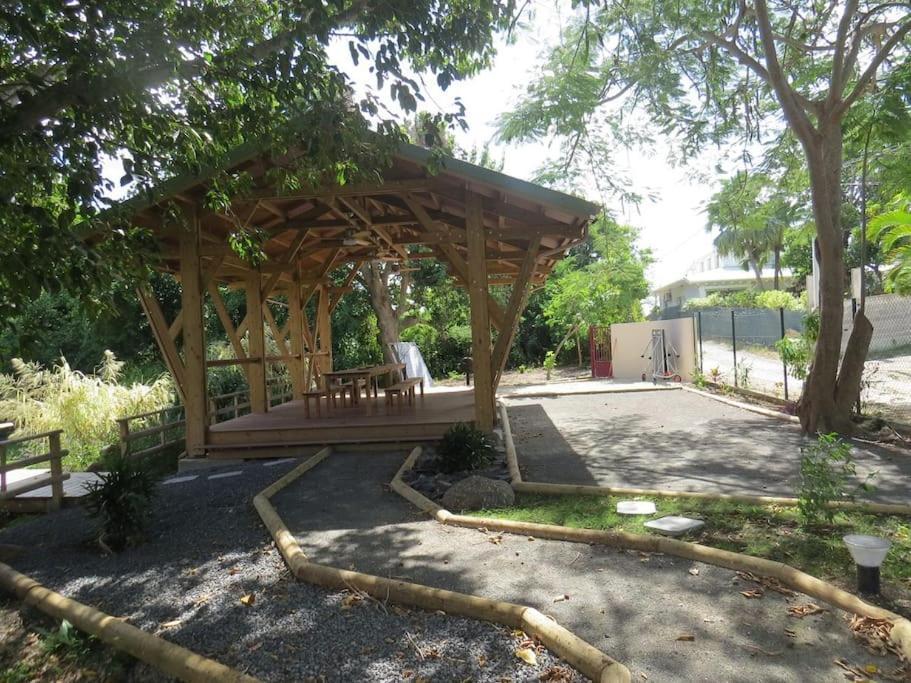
672, 225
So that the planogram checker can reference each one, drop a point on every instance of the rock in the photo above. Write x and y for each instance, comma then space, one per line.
475, 493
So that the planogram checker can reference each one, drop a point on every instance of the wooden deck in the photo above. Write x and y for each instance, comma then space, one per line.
371, 421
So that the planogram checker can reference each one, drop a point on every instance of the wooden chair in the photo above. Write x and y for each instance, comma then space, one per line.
317, 396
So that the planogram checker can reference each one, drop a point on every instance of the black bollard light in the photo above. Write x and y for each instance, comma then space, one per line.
868, 553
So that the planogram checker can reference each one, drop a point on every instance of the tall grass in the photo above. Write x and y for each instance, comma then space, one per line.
84, 406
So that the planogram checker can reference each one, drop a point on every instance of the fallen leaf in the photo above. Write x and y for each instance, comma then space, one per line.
753, 594
801, 611
527, 655
482, 661
350, 601
248, 600
531, 538
686, 637
496, 540
871, 669
171, 624
556, 674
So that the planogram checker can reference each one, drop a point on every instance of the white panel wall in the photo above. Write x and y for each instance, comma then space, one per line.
630, 340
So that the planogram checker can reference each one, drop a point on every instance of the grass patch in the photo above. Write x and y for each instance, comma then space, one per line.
772, 532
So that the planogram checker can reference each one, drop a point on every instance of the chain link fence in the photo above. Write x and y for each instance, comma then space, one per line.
737, 347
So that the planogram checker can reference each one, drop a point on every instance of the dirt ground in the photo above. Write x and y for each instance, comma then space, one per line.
666, 618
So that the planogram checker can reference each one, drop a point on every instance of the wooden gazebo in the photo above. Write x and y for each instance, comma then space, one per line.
490, 229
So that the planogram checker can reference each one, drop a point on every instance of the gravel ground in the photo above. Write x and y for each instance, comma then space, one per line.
675, 440
207, 549
665, 618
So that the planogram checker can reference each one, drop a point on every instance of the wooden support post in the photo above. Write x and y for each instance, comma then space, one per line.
514, 307
480, 320
165, 344
56, 470
123, 428
296, 321
259, 398
194, 338
324, 331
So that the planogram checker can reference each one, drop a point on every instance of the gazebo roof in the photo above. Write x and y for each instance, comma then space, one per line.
411, 214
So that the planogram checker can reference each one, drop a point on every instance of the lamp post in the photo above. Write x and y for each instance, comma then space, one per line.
868, 553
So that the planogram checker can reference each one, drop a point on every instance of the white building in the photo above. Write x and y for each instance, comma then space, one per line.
714, 273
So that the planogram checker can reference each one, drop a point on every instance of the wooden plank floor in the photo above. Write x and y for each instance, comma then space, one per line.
369, 421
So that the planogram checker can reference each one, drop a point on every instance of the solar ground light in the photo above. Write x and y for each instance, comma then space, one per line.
868, 553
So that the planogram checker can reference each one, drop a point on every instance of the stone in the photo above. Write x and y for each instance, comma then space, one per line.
636, 507
675, 526
475, 493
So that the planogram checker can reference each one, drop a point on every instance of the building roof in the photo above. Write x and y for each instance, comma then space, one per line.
411, 213
723, 276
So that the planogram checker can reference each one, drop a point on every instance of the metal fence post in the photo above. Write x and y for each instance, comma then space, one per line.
701, 359
734, 344
784, 363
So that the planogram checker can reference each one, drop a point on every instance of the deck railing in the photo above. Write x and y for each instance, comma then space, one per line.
158, 430
54, 457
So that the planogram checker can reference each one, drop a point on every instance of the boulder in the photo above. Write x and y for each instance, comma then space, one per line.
475, 493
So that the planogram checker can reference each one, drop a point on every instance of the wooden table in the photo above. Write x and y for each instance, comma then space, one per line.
368, 375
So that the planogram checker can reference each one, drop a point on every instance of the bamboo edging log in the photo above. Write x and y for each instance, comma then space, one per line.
786, 574
172, 659
586, 658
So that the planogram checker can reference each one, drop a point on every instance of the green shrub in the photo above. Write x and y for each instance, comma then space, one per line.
121, 501
795, 352
826, 471
550, 362
465, 447
776, 298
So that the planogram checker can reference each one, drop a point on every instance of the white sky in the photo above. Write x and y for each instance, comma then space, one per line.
672, 225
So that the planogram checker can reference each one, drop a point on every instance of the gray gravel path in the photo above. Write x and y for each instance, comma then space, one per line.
674, 440
634, 606
207, 549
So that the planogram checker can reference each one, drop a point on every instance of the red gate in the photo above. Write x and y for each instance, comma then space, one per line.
599, 346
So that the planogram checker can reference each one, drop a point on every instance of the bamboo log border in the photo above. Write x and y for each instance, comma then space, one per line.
785, 574
172, 659
585, 657
546, 488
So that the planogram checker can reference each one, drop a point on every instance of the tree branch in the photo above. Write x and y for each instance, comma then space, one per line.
46, 103
838, 59
791, 101
874, 65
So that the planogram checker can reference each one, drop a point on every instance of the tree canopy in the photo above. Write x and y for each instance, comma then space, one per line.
709, 72
164, 87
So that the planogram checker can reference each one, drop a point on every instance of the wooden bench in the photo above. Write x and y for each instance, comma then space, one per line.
405, 388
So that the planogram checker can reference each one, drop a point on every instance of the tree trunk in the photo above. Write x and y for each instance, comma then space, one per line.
757, 271
829, 393
377, 283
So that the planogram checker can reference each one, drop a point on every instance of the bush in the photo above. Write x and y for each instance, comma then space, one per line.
826, 471
795, 352
121, 501
465, 447
775, 299
84, 406
550, 362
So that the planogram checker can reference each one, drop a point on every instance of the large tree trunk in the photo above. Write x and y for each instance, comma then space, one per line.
377, 283
829, 393
756, 262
